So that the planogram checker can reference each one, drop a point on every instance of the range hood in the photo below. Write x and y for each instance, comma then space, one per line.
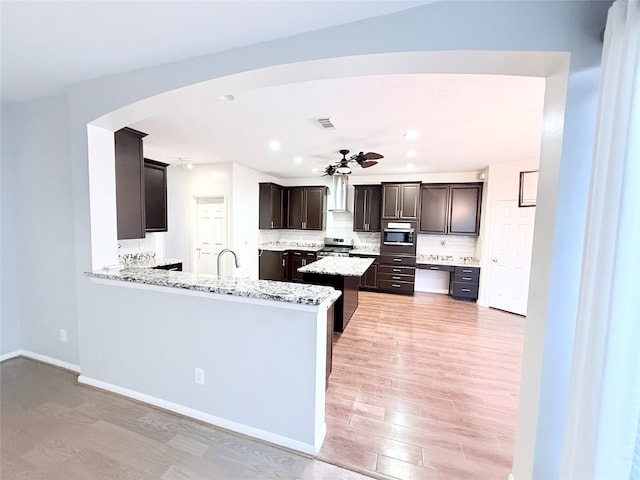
338, 193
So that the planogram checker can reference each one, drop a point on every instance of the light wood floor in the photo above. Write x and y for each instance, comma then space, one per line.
52, 428
424, 387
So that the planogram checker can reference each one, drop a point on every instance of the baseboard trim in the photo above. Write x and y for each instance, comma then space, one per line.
9, 356
208, 418
46, 359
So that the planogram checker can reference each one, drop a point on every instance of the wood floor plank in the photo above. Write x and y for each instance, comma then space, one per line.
52, 428
446, 374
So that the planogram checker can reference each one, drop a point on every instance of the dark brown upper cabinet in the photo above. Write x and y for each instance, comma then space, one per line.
366, 208
401, 201
306, 207
464, 209
434, 209
450, 209
130, 198
271, 206
155, 195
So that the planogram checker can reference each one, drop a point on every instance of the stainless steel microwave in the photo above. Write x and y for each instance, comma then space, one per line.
398, 234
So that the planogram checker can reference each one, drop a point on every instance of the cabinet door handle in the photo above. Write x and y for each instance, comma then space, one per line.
304, 262
283, 262
271, 223
434, 268
466, 290
397, 259
396, 285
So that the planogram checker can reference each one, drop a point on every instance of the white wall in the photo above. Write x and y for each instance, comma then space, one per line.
264, 371
50, 133
10, 306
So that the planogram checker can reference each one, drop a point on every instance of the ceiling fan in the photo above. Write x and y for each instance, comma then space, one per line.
365, 160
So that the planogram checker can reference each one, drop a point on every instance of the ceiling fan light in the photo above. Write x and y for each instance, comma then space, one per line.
343, 170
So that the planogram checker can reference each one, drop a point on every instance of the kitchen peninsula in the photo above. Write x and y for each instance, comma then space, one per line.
341, 273
246, 355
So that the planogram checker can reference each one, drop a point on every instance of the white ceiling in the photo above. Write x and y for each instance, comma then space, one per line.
464, 122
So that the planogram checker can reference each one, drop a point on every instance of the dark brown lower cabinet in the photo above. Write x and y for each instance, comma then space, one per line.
369, 281
464, 283
272, 265
346, 304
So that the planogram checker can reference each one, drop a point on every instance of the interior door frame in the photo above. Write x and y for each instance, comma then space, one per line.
194, 224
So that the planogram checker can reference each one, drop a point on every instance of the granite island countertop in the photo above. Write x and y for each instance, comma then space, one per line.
151, 263
243, 287
342, 266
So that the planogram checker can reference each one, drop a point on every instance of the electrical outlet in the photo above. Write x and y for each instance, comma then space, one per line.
63, 335
199, 376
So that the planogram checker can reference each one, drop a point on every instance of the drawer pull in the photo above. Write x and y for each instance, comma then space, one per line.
434, 268
397, 270
397, 259
396, 285
396, 278
466, 270
466, 290
466, 278
297, 253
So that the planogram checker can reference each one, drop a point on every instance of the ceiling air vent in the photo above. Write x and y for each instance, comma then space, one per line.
326, 123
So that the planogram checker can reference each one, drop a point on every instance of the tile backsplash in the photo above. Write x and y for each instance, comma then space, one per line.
447, 245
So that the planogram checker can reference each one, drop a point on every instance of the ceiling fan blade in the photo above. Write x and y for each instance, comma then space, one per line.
371, 156
368, 163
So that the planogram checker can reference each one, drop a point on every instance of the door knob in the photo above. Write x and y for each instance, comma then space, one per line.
494, 260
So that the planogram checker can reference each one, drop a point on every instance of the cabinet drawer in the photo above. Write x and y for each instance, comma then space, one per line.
394, 271
396, 278
442, 268
409, 260
465, 290
396, 286
466, 278
467, 270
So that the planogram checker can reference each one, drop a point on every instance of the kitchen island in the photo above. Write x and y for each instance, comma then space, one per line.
343, 274
246, 355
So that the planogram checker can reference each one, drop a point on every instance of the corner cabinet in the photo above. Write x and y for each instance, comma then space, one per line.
155, 195
306, 207
271, 214
366, 208
401, 201
450, 209
130, 198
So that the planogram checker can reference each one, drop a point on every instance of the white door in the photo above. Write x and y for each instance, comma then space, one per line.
211, 233
510, 266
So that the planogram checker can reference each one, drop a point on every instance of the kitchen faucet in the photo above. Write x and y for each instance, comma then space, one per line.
223, 251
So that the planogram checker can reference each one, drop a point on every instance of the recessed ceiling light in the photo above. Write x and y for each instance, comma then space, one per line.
410, 154
226, 98
297, 160
274, 145
410, 135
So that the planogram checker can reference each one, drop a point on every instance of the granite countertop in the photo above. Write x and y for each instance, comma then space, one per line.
152, 262
283, 246
343, 266
447, 260
243, 287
